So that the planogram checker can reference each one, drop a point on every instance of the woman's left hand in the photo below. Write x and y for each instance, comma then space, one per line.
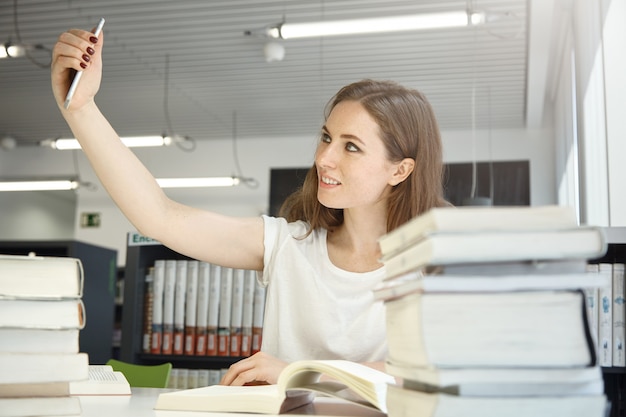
259, 368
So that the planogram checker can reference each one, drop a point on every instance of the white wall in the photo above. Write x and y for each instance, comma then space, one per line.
256, 157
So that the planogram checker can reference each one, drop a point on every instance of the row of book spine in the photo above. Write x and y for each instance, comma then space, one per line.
185, 378
195, 308
607, 314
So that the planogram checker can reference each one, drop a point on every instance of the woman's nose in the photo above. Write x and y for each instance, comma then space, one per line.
326, 156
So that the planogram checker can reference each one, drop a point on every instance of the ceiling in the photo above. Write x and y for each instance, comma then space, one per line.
220, 84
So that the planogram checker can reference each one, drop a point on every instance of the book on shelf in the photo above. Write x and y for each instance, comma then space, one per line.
247, 313
350, 381
22, 368
225, 312
202, 311
191, 307
619, 331
257, 317
37, 340
40, 406
41, 277
169, 290
605, 317
546, 328
592, 299
101, 380
180, 296
158, 287
148, 305
473, 219
404, 402
42, 313
497, 246
236, 317
215, 286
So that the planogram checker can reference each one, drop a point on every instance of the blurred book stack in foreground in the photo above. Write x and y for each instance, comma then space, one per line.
41, 314
486, 314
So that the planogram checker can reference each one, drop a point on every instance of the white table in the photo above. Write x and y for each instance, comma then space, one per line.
141, 404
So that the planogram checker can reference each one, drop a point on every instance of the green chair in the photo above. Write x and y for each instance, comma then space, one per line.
150, 376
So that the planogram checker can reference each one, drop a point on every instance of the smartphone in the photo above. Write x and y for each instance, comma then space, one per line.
72, 90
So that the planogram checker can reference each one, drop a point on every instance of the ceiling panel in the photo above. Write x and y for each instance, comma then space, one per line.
217, 73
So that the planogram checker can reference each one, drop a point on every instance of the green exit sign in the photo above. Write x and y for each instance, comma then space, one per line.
90, 220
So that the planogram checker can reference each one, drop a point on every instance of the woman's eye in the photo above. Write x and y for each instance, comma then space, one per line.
325, 138
352, 147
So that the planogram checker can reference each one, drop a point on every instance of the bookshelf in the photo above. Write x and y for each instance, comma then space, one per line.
141, 253
615, 377
100, 268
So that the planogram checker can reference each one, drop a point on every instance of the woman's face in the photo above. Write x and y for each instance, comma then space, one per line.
352, 167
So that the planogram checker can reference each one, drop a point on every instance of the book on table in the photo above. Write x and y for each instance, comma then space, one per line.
475, 219
37, 340
491, 329
296, 386
40, 277
40, 406
447, 248
102, 380
20, 368
404, 402
42, 314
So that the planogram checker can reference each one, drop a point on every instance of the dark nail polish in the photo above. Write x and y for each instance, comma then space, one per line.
83, 65
90, 50
93, 39
86, 58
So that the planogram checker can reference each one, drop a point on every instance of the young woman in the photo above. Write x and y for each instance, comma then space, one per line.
378, 164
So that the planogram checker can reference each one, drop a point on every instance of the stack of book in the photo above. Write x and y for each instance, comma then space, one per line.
41, 314
486, 313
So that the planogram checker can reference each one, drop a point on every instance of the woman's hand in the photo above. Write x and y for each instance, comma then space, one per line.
77, 50
259, 368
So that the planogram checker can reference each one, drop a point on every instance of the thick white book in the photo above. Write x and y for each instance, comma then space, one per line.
33, 340
40, 406
477, 219
404, 402
42, 314
40, 277
545, 328
498, 246
24, 368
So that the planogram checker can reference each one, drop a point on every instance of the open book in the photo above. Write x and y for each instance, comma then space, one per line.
351, 381
103, 380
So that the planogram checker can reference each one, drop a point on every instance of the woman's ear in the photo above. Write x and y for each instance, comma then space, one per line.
403, 170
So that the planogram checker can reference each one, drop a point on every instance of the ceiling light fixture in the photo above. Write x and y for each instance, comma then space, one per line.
39, 185
63, 144
373, 25
198, 182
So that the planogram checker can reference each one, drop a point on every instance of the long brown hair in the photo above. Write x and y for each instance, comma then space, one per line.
408, 129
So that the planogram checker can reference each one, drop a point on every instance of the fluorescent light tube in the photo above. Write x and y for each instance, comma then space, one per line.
197, 182
131, 142
374, 25
38, 185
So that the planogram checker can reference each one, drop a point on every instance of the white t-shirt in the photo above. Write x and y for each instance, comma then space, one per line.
315, 310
